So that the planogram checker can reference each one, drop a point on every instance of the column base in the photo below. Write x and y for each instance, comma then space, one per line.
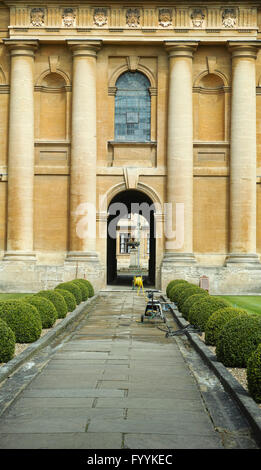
25, 256
243, 258
179, 258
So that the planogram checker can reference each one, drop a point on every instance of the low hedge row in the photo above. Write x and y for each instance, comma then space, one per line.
234, 332
22, 321
7, 342
254, 374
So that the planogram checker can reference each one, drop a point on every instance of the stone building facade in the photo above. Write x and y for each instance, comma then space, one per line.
152, 102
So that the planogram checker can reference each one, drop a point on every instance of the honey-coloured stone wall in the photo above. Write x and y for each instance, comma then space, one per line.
59, 155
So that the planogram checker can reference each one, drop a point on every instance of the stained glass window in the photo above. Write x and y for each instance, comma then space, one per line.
132, 108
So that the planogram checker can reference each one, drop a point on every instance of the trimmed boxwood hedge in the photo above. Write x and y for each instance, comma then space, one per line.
7, 342
216, 322
180, 292
69, 299
23, 318
188, 293
46, 309
254, 374
238, 338
177, 289
174, 283
88, 284
84, 289
73, 288
57, 300
203, 308
189, 302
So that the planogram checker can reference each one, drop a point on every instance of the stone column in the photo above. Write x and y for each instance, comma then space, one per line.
83, 150
179, 245
21, 151
243, 155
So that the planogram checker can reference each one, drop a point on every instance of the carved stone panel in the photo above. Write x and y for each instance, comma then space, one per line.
100, 17
69, 17
165, 17
229, 18
37, 17
133, 17
197, 18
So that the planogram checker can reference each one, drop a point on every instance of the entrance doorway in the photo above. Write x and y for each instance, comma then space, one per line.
131, 238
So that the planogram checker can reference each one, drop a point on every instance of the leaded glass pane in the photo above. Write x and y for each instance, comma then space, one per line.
132, 108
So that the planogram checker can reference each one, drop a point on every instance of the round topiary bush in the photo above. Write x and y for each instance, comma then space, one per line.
69, 299
254, 374
84, 289
7, 342
73, 288
180, 292
204, 307
177, 289
45, 308
216, 322
189, 302
188, 293
238, 338
89, 285
174, 283
57, 300
23, 318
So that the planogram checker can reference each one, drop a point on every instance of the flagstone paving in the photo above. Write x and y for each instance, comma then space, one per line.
119, 383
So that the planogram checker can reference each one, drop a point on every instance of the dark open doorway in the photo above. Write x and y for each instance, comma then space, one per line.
121, 207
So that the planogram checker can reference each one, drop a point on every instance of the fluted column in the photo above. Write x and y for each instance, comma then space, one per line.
83, 150
179, 244
243, 155
21, 151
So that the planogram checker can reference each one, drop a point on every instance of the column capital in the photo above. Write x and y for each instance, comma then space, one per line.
21, 47
181, 48
84, 47
246, 49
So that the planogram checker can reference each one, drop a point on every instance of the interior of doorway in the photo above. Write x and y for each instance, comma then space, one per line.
126, 206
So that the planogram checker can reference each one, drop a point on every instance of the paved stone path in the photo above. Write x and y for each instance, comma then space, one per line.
118, 383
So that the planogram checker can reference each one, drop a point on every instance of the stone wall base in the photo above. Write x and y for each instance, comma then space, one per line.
26, 276
231, 279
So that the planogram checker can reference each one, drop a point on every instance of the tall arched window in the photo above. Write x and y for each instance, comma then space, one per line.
132, 108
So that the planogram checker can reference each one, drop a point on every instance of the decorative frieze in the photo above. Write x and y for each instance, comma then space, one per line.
172, 17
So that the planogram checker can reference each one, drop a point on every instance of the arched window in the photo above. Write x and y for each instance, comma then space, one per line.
132, 108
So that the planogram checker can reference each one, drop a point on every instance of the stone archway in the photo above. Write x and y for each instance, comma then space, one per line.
126, 202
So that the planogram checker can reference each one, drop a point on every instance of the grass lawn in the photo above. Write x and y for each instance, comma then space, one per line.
11, 296
251, 303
